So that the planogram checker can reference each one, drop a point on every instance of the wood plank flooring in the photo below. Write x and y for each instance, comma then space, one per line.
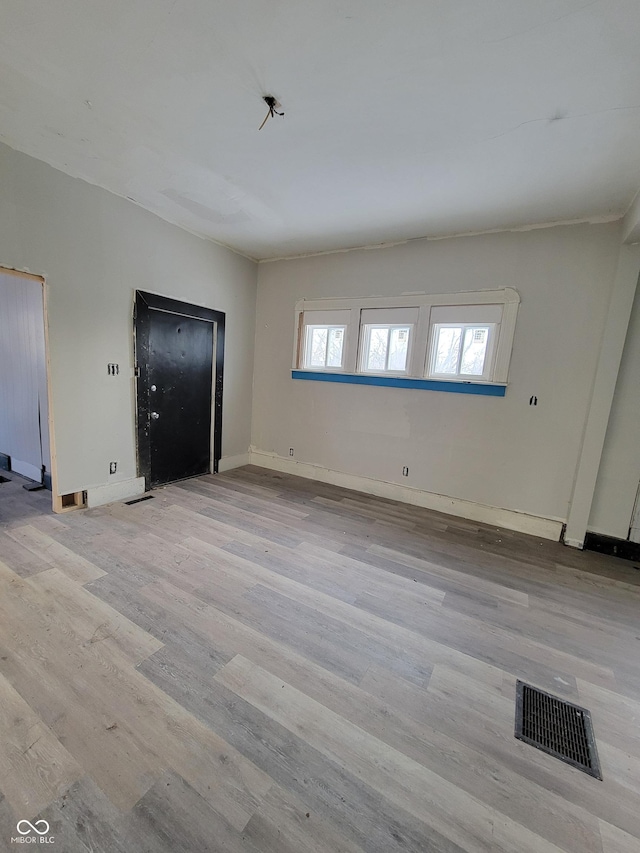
255, 662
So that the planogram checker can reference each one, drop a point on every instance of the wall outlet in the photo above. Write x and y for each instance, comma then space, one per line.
113, 467
405, 471
113, 369
291, 451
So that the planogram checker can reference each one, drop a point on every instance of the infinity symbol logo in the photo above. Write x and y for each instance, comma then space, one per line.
32, 827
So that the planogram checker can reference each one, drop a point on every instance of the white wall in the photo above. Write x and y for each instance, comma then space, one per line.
619, 473
24, 433
495, 451
94, 250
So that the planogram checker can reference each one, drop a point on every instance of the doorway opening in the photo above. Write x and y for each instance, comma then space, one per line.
634, 528
25, 411
179, 354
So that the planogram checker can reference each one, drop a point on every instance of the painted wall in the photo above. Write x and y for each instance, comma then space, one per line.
500, 452
94, 250
24, 434
619, 473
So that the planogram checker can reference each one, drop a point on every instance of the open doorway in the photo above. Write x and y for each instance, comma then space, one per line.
25, 445
179, 369
634, 529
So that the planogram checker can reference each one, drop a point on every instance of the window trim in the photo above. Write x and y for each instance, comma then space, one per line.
483, 389
350, 320
507, 298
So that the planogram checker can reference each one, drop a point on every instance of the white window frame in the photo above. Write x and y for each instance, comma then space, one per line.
321, 317
307, 345
485, 376
386, 318
507, 299
365, 337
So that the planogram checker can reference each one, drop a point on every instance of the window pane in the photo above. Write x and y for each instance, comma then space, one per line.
318, 353
377, 355
474, 350
447, 350
334, 350
398, 348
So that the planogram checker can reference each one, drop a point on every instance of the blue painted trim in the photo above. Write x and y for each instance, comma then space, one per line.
397, 382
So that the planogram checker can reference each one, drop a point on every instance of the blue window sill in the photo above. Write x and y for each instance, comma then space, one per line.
398, 382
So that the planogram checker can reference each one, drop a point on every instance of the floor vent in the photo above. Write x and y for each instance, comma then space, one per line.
139, 500
557, 727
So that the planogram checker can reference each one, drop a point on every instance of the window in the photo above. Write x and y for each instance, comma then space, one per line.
386, 348
386, 344
457, 342
324, 346
323, 339
462, 342
460, 351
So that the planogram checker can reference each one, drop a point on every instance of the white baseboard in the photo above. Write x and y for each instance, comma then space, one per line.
26, 469
112, 492
545, 528
574, 543
229, 462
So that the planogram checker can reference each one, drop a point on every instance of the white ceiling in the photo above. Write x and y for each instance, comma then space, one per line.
404, 118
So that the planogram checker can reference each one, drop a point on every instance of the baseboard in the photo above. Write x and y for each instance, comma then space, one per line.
112, 492
623, 548
229, 462
26, 469
45, 477
545, 528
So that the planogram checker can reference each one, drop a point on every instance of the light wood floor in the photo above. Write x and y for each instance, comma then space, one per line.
255, 662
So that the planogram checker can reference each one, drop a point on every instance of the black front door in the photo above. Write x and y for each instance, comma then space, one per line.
174, 353
180, 373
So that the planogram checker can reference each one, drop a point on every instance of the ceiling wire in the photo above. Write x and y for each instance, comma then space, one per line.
272, 103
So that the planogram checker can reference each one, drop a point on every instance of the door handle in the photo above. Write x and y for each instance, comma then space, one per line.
155, 415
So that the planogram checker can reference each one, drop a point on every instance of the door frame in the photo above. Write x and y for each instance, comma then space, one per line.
146, 302
51, 475
634, 525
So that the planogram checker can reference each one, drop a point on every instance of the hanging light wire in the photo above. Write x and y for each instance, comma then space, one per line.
272, 103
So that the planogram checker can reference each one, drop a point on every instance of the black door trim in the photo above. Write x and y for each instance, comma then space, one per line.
144, 303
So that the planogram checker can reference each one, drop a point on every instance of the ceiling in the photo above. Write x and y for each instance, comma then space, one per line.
403, 119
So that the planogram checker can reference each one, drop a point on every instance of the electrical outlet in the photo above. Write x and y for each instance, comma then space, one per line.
113, 369
113, 467
291, 451
405, 471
